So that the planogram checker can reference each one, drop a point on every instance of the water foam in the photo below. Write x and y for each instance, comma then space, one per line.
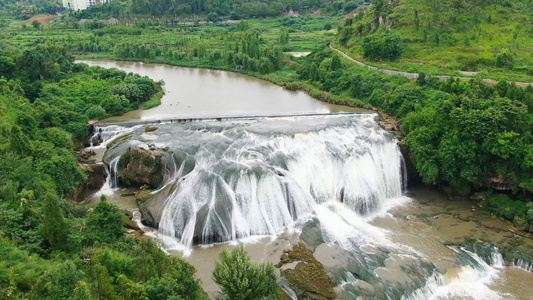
470, 281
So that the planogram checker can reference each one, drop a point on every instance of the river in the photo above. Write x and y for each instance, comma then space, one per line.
196, 92
268, 182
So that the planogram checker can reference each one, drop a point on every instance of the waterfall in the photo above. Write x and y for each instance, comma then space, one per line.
523, 264
111, 182
105, 134
496, 258
324, 176
258, 177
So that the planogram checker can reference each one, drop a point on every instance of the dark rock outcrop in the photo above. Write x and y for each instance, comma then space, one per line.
139, 166
95, 176
412, 174
308, 278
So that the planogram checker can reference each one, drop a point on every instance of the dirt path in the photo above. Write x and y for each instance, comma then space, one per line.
43, 19
415, 75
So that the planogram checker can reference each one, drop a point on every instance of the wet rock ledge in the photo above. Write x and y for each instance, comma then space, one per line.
138, 167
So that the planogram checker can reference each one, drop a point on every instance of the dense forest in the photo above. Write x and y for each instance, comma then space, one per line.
466, 137
52, 248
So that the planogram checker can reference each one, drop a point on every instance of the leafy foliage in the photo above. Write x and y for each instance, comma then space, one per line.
104, 223
462, 135
382, 46
51, 248
239, 278
442, 36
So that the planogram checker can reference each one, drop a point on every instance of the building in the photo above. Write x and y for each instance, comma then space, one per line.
81, 4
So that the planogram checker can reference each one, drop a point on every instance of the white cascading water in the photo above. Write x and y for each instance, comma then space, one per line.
496, 258
106, 133
111, 182
226, 181
248, 183
522, 264
472, 281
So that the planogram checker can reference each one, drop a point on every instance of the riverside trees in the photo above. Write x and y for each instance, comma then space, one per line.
51, 248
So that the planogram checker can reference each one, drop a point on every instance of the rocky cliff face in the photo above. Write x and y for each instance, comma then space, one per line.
139, 166
95, 174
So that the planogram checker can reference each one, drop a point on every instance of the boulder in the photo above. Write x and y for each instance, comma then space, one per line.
388, 122
312, 234
139, 166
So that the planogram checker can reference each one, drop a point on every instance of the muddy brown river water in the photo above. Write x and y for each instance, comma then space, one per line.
425, 222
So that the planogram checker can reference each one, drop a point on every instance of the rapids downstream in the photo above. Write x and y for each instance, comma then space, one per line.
334, 182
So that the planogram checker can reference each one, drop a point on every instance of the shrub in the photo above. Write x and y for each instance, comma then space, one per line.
504, 206
382, 46
104, 223
176, 284
505, 60
239, 278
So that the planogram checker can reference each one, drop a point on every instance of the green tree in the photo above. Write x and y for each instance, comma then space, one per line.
57, 283
101, 283
283, 35
104, 223
178, 283
241, 279
212, 17
82, 291
335, 63
382, 46
54, 227
127, 289
505, 60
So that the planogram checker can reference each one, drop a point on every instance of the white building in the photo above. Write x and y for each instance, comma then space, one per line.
81, 4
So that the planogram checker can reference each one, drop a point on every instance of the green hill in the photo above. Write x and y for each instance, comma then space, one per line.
443, 37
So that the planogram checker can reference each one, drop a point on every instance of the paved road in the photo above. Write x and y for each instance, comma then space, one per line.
415, 75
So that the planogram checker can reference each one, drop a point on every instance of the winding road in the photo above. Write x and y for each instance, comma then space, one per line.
415, 75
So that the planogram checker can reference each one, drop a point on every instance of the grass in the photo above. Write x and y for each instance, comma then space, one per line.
468, 40
154, 101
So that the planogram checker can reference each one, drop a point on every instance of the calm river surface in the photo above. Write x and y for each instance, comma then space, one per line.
195, 92
425, 223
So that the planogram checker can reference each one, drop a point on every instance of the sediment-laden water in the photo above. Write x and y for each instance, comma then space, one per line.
193, 92
263, 180
334, 182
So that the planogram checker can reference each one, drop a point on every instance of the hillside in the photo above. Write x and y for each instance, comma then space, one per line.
492, 37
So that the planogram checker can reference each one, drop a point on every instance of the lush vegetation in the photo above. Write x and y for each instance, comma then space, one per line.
213, 10
463, 136
51, 248
441, 37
